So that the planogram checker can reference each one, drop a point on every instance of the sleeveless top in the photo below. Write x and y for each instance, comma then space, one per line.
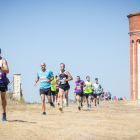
63, 76
3, 78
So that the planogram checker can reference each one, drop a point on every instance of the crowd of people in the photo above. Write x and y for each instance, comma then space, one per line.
51, 86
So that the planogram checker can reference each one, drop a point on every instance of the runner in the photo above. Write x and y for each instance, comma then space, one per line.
109, 96
88, 91
53, 89
45, 77
64, 85
79, 91
106, 96
3, 84
97, 91
102, 94
57, 90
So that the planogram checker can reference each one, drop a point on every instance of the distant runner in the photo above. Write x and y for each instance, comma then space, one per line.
3, 84
88, 91
57, 90
102, 94
45, 77
106, 96
79, 91
97, 91
109, 96
64, 85
53, 89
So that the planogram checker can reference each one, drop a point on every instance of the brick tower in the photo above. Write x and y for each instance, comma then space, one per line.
134, 27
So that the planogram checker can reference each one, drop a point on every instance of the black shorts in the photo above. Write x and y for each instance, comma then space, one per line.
86, 95
90, 94
80, 94
53, 93
57, 90
3, 87
95, 95
65, 87
109, 98
46, 91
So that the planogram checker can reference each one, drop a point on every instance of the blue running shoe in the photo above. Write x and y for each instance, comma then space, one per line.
4, 117
98, 103
90, 106
87, 106
95, 105
44, 113
52, 104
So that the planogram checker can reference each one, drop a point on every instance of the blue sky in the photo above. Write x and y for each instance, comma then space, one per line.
89, 36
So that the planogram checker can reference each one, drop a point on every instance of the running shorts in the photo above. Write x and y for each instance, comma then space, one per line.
86, 94
80, 94
109, 97
65, 87
95, 95
3, 87
46, 91
57, 90
53, 93
90, 94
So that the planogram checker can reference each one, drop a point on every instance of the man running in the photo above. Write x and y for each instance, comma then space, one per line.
57, 91
97, 91
109, 95
88, 91
53, 89
64, 85
45, 77
79, 91
3, 84
102, 94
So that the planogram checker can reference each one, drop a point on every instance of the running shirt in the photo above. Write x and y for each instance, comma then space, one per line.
96, 88
79, 89
83, 90
53, 87
43, 77
88, 88
63, 76
109, 95
106, 95
3, 78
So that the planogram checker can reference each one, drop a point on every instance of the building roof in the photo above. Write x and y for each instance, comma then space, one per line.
133, 14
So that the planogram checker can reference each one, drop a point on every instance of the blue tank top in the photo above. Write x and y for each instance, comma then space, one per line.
3, 78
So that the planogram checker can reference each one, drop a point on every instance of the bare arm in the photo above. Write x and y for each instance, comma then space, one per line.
5, 68
37, 79
69, 76
75, 88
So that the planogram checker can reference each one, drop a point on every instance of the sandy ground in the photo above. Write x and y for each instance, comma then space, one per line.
118, 120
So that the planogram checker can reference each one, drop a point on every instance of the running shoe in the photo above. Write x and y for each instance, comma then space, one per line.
52, 104
87, 106
4, 117
90, 106
79, 108
98, 103
44, 113
95, 105
60, 108
58, 103
67, 104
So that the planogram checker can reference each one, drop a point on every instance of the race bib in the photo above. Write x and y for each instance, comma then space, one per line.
78, 87
43, 79
88, 86
63, 82
96, 89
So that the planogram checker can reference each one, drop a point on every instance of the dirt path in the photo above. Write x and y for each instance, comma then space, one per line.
110, 121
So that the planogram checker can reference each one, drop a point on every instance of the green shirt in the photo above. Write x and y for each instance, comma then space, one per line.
53, 87
88, 88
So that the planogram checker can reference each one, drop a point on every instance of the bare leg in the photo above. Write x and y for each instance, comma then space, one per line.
90, 100
56, 97
66, 95
61, 91
43, 101
98, 99
77, 97
3, 94
49, 99
53, 98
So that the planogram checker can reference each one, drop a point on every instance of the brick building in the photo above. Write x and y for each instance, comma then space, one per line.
134, 27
